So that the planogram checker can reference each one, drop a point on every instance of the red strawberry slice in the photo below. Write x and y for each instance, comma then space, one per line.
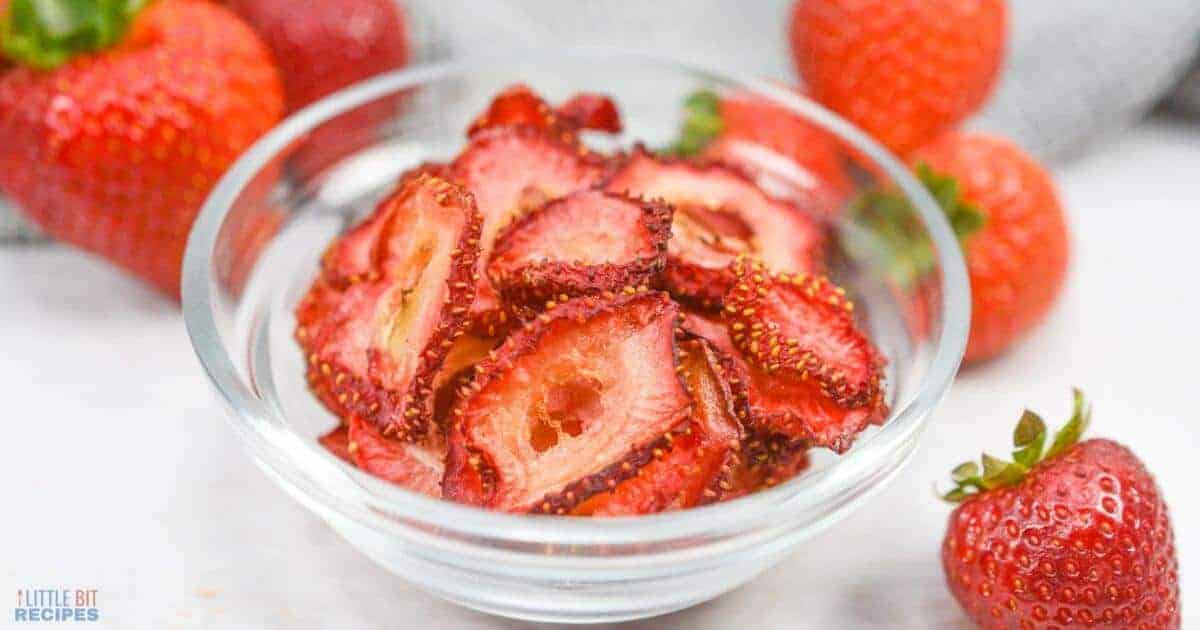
518, 105
512, 170
583, 244
393, 295
570, 405
815, 375
592, 111
418, 467
337, 442
700, 458
764, 463
719, 215
456, 370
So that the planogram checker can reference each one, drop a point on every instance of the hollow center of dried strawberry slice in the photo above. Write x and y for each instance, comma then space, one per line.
699, 457
564, 411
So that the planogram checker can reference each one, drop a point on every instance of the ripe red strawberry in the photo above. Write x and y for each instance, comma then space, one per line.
116, 123
787, 156
1078, 537
1018, 259
903, 70
322, 46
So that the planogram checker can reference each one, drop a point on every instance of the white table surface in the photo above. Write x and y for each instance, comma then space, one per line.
120, 474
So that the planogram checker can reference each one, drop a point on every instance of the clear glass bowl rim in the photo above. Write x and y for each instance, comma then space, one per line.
295, 464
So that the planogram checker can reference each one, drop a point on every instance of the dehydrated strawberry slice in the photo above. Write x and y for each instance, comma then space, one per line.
376, 337
701, 458
815, 375
583, 244
337, 442
418, 467
517, 105
592, 111
568, 406
719, 215
709, 327
457, 370
512, 170
764, 462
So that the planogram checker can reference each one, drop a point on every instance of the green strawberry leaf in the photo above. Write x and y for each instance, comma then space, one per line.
888, 215
45, 34
998, 473
1073, 429
1029, 438
702, 123
965, 472
964, 217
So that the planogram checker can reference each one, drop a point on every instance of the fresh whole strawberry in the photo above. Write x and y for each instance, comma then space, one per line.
119, 119
322, 46
903, 70
788, 157
1010, 223
1077, 537
1018, 260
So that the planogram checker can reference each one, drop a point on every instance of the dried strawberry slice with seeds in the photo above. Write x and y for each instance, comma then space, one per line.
376, 338
701, 457
337, 442
815, 376
418, 467
568, 406
583, 244
512, 170
764, 462
719, 215
591, 111
518, 105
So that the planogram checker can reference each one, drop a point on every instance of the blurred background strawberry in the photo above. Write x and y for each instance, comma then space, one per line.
903, 70
120, 116
325, 46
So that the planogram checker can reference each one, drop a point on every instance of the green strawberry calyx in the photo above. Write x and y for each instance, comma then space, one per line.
45, 34
702, 123
1029, 440
888, 215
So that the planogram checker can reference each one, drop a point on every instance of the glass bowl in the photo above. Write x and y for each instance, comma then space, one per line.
254, 250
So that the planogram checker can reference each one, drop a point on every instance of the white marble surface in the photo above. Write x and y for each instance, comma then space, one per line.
120, 474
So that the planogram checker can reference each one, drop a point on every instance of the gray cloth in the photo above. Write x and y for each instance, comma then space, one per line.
1186, 97
1080, 70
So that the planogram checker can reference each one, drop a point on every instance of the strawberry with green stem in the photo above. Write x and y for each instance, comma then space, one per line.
1074, 535
789, 157
1010, 224
120, 115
